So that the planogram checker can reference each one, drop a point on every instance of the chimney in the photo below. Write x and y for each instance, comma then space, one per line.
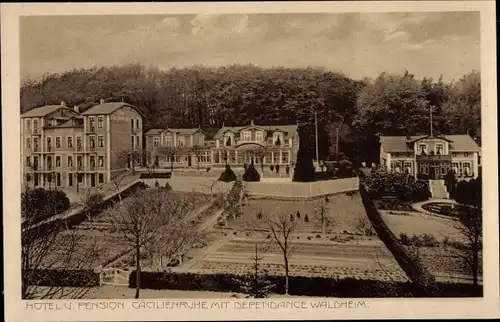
102, 100
63, 104
77, 109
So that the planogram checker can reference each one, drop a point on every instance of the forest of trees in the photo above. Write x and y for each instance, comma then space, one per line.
233, 95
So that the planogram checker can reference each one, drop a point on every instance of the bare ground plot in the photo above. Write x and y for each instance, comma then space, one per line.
443, 262
367, 260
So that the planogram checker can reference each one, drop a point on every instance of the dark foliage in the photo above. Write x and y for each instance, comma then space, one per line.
156, 175
64, 278
251, 174
228, 175
299, 285
38, 204
304, 168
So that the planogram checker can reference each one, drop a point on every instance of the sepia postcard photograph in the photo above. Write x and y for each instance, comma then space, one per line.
215, 161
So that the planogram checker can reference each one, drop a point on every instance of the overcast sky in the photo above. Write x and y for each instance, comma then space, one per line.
359, 45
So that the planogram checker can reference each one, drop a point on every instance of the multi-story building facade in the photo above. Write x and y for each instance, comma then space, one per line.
430, 155
62, 147
234, 145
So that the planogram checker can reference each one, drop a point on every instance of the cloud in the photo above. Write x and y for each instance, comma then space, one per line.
222, 26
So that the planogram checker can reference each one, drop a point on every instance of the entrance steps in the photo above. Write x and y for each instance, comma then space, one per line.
438, 189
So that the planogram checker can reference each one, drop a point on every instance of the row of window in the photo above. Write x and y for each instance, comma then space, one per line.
247, 137
169, 141
34, 161
137, 125
410, 154
137, 140
41, 179
93, 142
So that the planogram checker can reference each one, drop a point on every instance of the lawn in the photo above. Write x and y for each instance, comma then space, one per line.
443, 262
345, 210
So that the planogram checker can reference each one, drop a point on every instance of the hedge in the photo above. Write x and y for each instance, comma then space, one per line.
62, 278
300, 285
415, 271
156, 175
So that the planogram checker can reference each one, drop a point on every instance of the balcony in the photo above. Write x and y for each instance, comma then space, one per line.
79, 148
433, 158
91, 129
49, 149
36, 149
92, 148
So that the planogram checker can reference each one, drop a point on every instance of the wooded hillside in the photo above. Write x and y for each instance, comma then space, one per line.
360, 109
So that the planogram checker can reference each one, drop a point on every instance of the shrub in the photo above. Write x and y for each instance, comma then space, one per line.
277, 168
228, 175
306, 218
251, 174
318, 236
298, 214
208, 169
308, 237
304, 168
38, 204
287, 169
168, 187
271, 167
404, 239
62, 278
157, 184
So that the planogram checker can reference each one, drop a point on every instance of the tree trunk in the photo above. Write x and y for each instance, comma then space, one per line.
286, 275
138, 272
475, 265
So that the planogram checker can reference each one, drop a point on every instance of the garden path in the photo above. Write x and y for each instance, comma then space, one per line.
418, 206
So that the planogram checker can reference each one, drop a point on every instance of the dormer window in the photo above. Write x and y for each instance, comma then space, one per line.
259, 136
228, 140
247, 136
423, 149
277, 138
439, 149
180, 141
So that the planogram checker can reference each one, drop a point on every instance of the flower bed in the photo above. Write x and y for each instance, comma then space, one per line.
393, 204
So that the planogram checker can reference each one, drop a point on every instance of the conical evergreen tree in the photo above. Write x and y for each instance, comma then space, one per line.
304, 168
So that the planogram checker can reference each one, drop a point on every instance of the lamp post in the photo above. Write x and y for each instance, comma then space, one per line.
316, 133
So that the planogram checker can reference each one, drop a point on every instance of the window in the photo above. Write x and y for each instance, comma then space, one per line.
277, 138
92, 124
168, 140
35, 124
466, 154
442, 170
58, 161
423, 149
28, 143
466, 166
70, 142
132, 125
28, 161
35, 163
284, 158
35, 144
205, 157
101, 177
180, 141
137, 141
58, 142
49, 163
80, 178
439, 149
228, 140
101, 161
28, 125
79, 142
259, 136
79, 161
156, 141
247, 136
92, 161
70, 161
49, 143
100, 122
132, 141
276, 158
137, 124
100, 141
92, 141
454, 154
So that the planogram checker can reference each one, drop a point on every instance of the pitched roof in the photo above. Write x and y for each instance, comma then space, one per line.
288, 129
461, 142
43, 110
108, 108
154, 132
